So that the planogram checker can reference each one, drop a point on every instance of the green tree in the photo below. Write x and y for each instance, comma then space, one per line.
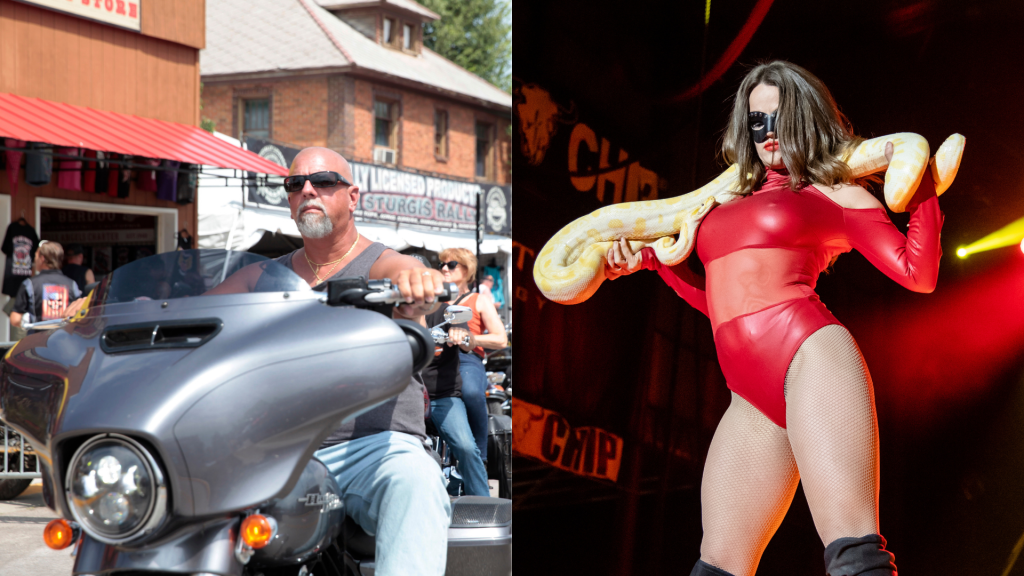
475, 34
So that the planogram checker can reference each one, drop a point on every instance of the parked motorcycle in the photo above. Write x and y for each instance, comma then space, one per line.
176, 418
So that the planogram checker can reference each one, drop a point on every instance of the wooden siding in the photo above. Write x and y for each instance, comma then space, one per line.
181, 21
49, 55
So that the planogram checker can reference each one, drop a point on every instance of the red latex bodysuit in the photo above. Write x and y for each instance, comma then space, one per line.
763, 254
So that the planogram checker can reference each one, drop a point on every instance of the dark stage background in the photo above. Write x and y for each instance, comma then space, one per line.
638, 362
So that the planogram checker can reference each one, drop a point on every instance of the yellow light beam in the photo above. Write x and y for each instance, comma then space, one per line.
1008, 235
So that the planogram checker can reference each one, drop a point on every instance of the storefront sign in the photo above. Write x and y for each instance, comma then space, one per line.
270, 192
120, 13
547, 436
103, 237
400, 197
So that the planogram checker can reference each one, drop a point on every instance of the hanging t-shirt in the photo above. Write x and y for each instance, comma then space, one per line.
19, 246
113, 175
187, 184
13, 163
38, 164
167, 181
102, 173
124, 181
89, 177
69, 172
147, 178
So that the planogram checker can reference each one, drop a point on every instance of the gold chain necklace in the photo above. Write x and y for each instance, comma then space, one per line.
333, 263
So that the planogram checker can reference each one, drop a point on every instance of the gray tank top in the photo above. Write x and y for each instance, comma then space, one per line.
403, 413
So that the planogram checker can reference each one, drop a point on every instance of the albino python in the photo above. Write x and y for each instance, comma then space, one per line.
570, 267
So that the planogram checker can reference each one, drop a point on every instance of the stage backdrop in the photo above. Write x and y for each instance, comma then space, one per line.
625, 101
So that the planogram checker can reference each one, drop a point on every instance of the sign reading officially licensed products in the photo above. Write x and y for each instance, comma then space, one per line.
400, 197
120, 13
546, 436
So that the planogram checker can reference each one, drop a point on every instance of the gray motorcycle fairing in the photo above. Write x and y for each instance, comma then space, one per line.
308, 518
248, 407
197, 548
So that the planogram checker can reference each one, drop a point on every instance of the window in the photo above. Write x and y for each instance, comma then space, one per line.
384, 123
484, 135
407, 36
441, 133
256, 118
389, 31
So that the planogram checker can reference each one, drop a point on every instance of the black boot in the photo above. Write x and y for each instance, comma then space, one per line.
702, 568
864, 556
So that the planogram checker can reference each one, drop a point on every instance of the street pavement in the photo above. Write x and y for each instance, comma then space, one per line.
22, 551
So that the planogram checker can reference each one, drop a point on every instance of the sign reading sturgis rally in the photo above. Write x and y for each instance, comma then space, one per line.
546, 436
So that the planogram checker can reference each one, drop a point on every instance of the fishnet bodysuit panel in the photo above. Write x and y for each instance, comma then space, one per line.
749, 481
831, 443
833, 432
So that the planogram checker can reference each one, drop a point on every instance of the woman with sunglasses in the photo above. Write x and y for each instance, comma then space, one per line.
802, 400
459, 266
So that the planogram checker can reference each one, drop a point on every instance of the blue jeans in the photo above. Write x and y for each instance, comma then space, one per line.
395, 492
449, 415
474, 384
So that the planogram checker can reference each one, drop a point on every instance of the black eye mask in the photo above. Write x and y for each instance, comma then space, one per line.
761, 124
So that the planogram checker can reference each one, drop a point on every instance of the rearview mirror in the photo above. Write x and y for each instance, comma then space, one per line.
458, 314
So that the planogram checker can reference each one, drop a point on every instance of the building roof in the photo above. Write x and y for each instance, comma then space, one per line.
267, 36
407, 5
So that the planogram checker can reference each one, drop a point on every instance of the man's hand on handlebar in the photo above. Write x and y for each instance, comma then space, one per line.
419, 287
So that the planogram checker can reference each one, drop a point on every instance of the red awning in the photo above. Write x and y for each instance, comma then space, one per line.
36, 120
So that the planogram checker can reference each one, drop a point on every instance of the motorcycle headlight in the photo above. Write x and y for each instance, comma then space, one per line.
115, 489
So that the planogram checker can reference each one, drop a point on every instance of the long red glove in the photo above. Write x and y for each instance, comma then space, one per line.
680, 278
911, 260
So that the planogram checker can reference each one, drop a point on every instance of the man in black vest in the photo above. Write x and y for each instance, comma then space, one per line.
392, 488
46, 295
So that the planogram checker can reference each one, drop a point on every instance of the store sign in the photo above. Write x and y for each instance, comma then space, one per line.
546, 436
400, 197
391, 195
270, 191
103, 237
120, 13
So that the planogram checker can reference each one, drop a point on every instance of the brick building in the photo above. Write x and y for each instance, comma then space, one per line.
354, 76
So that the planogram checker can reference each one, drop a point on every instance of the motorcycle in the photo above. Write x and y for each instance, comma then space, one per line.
499, 379
176, 417
499, 428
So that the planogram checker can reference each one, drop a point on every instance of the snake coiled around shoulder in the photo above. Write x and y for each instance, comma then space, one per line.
571, 266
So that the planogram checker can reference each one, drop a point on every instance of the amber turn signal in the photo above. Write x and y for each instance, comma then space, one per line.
257, 530
58, 534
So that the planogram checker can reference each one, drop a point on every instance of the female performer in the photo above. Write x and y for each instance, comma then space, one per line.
802, 401
459, 266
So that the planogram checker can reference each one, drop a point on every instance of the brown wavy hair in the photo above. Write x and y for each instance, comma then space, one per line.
813, 134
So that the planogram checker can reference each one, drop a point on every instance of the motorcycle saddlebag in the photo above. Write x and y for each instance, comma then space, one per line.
480, 537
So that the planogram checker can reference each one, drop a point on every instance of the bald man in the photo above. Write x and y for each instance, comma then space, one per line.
391, 486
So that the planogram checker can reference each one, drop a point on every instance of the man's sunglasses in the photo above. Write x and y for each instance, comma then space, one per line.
449, 265
316, 179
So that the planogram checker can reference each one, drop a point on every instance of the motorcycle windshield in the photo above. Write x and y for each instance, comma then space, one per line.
196, 273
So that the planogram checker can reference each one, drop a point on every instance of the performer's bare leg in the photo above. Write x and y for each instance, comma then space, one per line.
830, 417
749, 480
